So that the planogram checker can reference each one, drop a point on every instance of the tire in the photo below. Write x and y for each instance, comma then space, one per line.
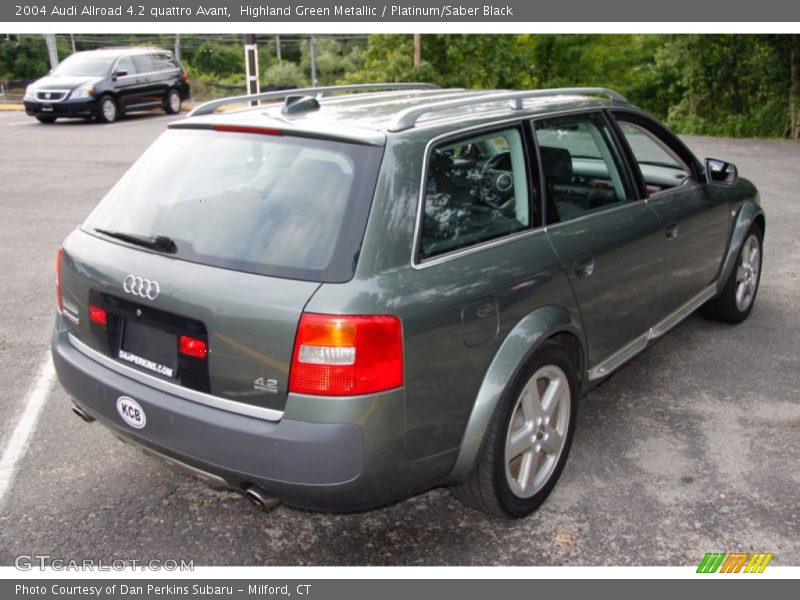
108, 110
498, 484
735, 302
46, 119
172, 103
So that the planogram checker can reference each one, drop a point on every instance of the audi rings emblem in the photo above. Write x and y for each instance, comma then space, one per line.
138, 286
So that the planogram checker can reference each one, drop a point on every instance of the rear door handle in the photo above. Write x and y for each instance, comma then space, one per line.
671, 231
583, 268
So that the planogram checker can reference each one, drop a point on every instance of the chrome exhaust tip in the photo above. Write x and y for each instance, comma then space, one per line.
82, 413
260, 498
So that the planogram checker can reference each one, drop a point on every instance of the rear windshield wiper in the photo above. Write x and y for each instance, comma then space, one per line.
160, 242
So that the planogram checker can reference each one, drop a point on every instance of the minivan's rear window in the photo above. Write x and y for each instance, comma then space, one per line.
269, 204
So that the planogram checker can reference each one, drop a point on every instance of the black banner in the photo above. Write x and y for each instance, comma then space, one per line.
397, 589
463, 11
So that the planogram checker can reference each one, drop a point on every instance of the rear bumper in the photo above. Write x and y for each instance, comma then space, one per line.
85, 107
318, 465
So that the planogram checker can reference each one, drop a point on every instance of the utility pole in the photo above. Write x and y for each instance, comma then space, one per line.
417, 50
313, 51
177, 52
50, 40
794, 86
278, 48
72, 42
251, 65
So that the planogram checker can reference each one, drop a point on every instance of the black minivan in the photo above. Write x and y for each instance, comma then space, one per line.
108, 83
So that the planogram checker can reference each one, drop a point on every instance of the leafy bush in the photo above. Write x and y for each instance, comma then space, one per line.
284, 74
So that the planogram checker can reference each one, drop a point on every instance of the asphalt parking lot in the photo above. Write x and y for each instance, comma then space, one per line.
694, 447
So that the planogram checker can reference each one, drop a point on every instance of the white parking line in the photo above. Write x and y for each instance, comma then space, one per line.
15, 120
141, 120
18, 443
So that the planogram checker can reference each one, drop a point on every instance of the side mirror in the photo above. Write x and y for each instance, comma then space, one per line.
120, 73
719, 171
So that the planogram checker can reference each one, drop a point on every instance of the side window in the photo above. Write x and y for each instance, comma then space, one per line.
144, 63
582, 168
660, 166
476, 190
125, 64
165, 62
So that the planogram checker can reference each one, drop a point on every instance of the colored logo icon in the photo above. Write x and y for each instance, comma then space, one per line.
734, 562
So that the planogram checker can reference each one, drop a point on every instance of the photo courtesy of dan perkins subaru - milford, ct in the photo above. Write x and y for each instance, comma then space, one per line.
345, 296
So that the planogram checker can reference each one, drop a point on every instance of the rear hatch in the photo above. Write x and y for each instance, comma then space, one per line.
196, 267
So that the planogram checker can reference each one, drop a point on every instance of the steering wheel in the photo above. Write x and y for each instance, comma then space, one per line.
497, 182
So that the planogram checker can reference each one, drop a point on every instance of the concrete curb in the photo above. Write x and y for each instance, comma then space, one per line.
18, 106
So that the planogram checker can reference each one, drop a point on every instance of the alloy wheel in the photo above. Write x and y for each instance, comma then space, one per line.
537, 431
747, 273
109, 110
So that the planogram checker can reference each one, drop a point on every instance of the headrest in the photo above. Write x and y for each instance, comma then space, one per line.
441, 164
557, 164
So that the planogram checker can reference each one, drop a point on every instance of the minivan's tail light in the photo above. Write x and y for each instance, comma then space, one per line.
347, 355
98, 315
59, 298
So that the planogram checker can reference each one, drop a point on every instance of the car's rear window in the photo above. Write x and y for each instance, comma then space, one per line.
270, 204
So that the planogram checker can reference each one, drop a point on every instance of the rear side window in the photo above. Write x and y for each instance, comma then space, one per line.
476, 190
583, 170
165, 62
144, 63
270, 204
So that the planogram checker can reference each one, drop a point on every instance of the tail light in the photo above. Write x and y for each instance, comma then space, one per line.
192, 347
98, 315
343, 355
59, 298
184, 76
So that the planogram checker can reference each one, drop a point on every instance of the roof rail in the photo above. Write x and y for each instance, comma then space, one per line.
208, 108
407, 118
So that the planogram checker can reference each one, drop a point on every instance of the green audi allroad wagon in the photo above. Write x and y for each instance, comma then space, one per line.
340, 297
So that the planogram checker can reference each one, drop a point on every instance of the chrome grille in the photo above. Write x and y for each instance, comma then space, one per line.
51, 95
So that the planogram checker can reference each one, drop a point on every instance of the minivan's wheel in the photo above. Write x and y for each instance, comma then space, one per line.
736, 300
172, 103
528, 440
109, 111
46, 119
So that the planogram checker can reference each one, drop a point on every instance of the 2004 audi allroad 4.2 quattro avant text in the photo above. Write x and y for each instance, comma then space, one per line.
345, 296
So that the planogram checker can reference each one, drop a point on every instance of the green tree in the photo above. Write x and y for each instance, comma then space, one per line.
391, 58
734, 85
219, 59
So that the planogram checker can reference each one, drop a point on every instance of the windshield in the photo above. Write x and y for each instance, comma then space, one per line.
271, 204
84, 65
